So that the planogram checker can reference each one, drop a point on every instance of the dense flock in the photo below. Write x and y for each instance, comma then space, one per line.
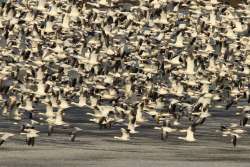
167, 63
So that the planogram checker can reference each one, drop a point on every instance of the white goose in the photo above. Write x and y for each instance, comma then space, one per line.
63, 103
41, 5
165, 130
74, 12
5, 109
49, 111
53, 10
66, 21
39, 74
93, 101
15, 114
59, 118
190, 135
82, 101
104, 2
174, 61
29, 17
231, 34
179, 41
5, 136
49, 27
190, 66
29, 104
125, 135
40, 89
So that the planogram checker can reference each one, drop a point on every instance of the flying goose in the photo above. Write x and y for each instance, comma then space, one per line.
5, 136
31, 134
73, 134
190, 134
244, 116
125, 135
165, 129
233, 132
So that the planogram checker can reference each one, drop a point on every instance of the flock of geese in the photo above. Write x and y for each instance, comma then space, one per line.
163, 62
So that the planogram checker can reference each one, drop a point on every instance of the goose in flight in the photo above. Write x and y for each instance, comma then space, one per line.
244, 116
189, 134
202, 116
31, 133
233, 131
28, 107
125, 135
132, 125
5, 136
165, 129
74, 133
179, 43
82, 100
169, 53
5, 108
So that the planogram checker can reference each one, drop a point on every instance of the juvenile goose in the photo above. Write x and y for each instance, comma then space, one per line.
73, 134
233, 132
244, 116
82, 101
165, 129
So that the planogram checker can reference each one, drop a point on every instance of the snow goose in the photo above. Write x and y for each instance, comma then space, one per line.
125, 135
5, 136
190, 134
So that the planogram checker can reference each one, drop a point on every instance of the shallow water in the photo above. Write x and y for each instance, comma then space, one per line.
95, 147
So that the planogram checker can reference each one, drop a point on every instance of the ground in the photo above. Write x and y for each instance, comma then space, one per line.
96, 147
